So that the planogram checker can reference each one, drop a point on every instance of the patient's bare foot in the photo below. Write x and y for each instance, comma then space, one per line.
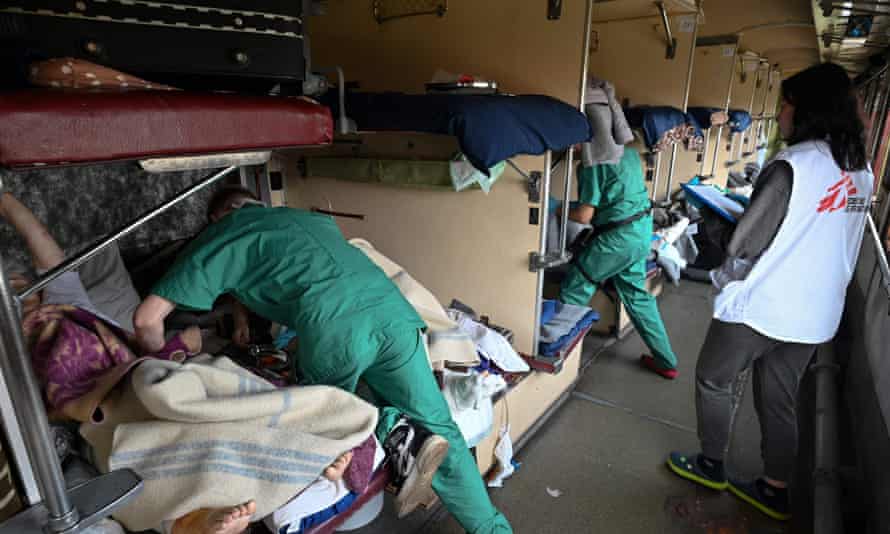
191, 337
335, 471
232, 520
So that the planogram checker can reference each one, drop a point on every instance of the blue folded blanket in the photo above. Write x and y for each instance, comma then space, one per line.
489, 128
655, 121
701, 116
739, 120
561, 324
548, 311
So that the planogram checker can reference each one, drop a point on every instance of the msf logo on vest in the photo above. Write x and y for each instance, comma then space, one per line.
842, 196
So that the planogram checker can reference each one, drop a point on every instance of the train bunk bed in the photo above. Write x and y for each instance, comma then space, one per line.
489, 130
164, 131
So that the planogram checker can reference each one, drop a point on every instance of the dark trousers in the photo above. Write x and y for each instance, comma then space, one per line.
729, 352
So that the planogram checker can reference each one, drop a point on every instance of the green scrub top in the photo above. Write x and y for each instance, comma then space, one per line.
292, 267
617, 191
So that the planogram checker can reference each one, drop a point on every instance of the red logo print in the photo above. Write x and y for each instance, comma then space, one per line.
836, 199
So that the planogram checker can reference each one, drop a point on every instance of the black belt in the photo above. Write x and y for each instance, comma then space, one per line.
603, 228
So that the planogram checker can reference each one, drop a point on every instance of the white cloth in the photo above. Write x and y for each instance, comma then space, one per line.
669, 258
491, 344
320, 495
469, 400
672, 233
796, 290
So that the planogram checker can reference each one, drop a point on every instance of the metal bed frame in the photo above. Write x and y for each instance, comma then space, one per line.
52, 508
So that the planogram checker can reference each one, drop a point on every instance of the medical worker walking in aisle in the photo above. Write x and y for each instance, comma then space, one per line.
614, 199
783, 286
295, 267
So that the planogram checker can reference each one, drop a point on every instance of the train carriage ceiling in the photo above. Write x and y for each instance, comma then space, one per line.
854, 34
780, 31
792, 34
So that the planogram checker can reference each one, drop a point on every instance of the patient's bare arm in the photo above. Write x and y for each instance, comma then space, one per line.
45, 252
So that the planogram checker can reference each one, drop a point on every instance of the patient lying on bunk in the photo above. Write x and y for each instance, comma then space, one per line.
64, 325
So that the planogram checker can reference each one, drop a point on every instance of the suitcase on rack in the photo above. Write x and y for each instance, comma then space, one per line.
241, 45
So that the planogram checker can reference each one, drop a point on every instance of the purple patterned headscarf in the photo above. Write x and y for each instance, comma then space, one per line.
73, 351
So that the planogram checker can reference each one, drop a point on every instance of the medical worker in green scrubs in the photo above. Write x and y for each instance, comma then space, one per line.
295, 268
614, 199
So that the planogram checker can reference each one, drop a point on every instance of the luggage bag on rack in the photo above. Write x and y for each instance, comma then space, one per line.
200, 44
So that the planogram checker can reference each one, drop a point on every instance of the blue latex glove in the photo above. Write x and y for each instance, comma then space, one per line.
553, 204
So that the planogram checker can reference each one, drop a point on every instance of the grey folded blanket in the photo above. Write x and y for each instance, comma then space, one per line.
610, 128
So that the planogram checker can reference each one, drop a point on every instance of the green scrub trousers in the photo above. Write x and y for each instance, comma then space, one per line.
618, 192
295, 268
395, 365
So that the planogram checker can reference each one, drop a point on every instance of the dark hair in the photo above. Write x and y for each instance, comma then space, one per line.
225, 196
826, 109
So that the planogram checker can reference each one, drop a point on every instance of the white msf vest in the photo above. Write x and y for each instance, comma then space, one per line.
796, 290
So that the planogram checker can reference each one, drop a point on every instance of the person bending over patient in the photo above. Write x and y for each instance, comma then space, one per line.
295, 267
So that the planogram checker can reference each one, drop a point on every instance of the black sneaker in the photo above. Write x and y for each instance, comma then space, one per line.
771, 501
695, 467
415, 455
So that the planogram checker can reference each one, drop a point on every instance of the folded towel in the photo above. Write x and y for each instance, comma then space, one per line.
564, 326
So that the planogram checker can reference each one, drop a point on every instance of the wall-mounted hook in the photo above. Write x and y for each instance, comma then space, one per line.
554, 9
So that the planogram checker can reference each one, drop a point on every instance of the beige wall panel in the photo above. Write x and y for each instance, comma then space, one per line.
631, 55
710, 77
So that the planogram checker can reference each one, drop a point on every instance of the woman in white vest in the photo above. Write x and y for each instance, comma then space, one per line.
783, 284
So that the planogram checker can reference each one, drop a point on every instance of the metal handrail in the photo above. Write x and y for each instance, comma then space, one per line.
582, 95
881, 253
90, 253
687, 89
